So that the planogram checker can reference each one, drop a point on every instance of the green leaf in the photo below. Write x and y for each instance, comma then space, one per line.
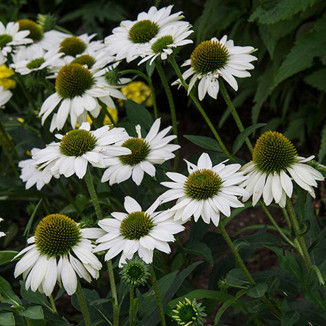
322, 149
200, 249
138, 114
34, 297
237, 277
33, 312
305, 49
317, 79
150, 68
290, 318
9, 295
6, 256
243, 135
258, 290
282, 10
204, 142
7, 319
30, 221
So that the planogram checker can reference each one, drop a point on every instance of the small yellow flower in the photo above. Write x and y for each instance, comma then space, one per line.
5, 73
114, 115
138, 92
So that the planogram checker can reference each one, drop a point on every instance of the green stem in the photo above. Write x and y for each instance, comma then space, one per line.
150, 84
201, 110
114, 294
83, 304
28, 322
157, 293
296, 228
233, 111
90, 186
54, 308
171, 105
235, 253
131, 305
270, 217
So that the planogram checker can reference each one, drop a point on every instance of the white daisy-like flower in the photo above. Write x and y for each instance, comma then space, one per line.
78, 90
164, 45
213, 59
137, 231
5, 95
274, 162
132, 38
79, 147
10, 37
207, 191
33, 173
36, 58
2, 234
58, 251
145, 152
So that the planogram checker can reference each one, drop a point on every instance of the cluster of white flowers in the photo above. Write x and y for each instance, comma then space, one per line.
81, 67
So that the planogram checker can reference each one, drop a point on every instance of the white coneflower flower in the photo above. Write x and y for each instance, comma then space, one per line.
145, 152
137, 231
58, 251
36, 58
2, 234
5, 95
79, 147
213, 59
33, 173
132, 38
78, 90
164, 45
207, 191
275, 158
10, 36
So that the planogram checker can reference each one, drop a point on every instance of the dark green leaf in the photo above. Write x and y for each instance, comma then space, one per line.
30, 221
204, 142
243, 135
34, 297
322, 150
7, 319
317, 79
258, 290
6, 256
289, 318
138, 114
199, 249
9, 295
33, 312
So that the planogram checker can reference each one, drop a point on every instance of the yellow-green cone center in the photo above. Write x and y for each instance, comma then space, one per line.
72, 46
202, 184
5, 39
85, 59
77, 142
136, 225
35, 31
139, 151
35, 63
273, 152
187, 314
162, 43
209, 56
56, 235
143, 31
73, 80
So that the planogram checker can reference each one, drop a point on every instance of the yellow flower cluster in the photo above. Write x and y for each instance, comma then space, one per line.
138, 92
5, 81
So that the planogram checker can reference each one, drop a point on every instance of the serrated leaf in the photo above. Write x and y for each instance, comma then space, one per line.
281, 10
257, 290
9, 295
33, 312
204, 142
305, 49
7, 319
6, 256
322, 149
317, 79
243, 135
138, 114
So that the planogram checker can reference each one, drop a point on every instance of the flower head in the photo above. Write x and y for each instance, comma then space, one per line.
132, 38
212, 59
138, 92
207, 191
58, 251
274, 159
134, 272
189, 313
145, 152
137, 231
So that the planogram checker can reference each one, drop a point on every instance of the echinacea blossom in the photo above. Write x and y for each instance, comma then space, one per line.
217, 58
274, 162
137, 231
132, 38
60, 251
145, 152
207, 191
